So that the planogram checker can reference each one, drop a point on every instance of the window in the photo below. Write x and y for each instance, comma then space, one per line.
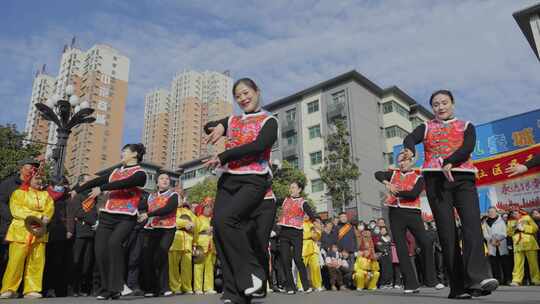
317, 185
314, 131
313, 107
104, 92
395, 131
291, 115
416, 121
188, 175
339, 97
389, 158
105, 79
102, 105
393, 106
387, 107
292, 140
100, 119
316, 158
293, 161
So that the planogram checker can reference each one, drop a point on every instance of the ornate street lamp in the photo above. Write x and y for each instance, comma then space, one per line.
58, 109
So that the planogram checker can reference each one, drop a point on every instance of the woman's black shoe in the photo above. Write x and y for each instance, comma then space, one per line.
461, 296
115, 296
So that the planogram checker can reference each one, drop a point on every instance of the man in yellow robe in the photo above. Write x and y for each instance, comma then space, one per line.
366, 272
180, 253
204, 271
26, 251
522, 228
311, 253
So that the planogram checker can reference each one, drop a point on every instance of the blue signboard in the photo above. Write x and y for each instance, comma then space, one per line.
499, 136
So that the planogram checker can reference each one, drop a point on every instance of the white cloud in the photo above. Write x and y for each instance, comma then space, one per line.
474, 48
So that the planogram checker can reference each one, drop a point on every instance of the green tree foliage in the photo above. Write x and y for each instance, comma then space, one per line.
206, 188
339, 168
13, 150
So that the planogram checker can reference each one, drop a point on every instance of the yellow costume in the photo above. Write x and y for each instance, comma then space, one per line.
180, 253
525, 245
366, 273
26, 252
204, 271
310, 254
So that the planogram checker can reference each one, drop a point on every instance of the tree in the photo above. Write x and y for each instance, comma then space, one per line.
13, 150
206, 188
339, 168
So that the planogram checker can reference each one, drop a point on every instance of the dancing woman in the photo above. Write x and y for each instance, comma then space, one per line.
449, 177
117, 218
404, 187
158, 237
291, 221
245, 179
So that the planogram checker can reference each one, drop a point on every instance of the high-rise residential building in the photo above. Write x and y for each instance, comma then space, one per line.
37, 128
156, 126
377, 119
104, 76
194, 99
100, 77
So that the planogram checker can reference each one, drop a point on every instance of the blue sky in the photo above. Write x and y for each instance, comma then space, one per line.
474, 48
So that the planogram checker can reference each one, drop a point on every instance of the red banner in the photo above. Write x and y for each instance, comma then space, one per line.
491, 170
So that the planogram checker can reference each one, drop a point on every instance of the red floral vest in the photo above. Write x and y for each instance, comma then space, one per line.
441, 140
156, 201
269, 194
404, 182
123, 201
243, 130
292, 213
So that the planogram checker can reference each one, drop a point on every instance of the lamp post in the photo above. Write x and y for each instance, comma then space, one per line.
58, 109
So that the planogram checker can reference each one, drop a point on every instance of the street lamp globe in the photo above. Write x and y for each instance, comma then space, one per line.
70, 90
50, 102
85, 104
74, 100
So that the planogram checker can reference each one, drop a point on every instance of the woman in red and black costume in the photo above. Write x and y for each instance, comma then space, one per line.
404, 187
245, 179
117, 218
158, 237
291, 235
449, 176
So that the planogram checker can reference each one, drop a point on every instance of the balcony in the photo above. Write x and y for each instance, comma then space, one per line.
288, 151
288, 127
335, 111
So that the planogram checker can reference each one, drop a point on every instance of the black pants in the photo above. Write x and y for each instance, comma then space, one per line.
58, 264
387, 272
277, 275
134, 252
398, 279
238, 197
261, 223
3, 258
83, 264
156, 244
401, 220
466, 270
336, 277
439, 268
112, 231
500, 267
291, 238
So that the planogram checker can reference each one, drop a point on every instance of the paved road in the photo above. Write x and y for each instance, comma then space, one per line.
516, 295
